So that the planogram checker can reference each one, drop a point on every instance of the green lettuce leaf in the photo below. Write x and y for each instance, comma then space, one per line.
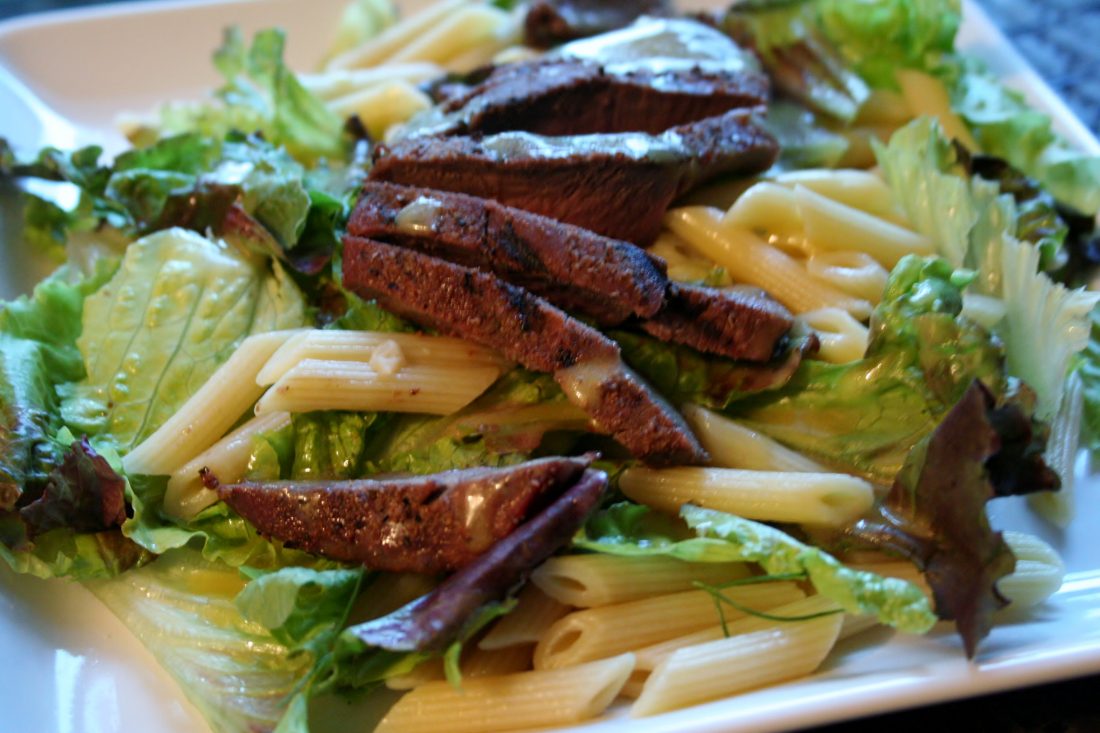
175, 310
182, 607
633, 530
1045, 324
261, 95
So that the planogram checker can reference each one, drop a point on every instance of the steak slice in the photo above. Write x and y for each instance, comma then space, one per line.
482, 308
737, 325
618, 185
550, 22
605, 279
565, 96
433, 621
421, 524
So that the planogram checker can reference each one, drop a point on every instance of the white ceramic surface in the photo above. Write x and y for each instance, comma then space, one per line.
68, 666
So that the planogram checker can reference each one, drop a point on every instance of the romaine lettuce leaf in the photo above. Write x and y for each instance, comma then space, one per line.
174, 311
634, 530
261, 95
1045, 324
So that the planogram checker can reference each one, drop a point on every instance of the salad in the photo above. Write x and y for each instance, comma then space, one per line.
238, 346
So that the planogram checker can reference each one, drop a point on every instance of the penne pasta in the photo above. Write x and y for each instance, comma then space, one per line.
596, 580
212, 410
469, 28
381, 106
361, 346
340, 385
858, 189
748, 259
843, 338
496, 662
771, 210
338, 83
649, 658
855, 273
535, 612
830, 225
744, 662
1039, 571
829, 499
605, 631
379, 49
510, 702
732, 445
186, 495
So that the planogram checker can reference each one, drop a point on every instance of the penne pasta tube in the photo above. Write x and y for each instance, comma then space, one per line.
927, 95
649, 658
381, 106
605, 631
341, 82
340, 385
732, 445
843, 338
769, 209
379, 49
212, 410
417, 349
726, 667
517, 701
855, 273
858, 189
535, 612
885, 106
186, 495
831, 225
470, 27
596, 580
496, 662
1039, 571
750, 260
430, 670
829, 499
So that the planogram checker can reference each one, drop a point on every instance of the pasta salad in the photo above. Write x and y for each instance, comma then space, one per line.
530, 358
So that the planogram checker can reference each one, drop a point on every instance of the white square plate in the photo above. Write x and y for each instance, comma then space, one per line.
70, 666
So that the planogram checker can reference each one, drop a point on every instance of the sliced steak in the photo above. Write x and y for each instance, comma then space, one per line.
432, 622
422, 524
550, 22
605, 279
618, 185
486, 310
563, 96
728, 323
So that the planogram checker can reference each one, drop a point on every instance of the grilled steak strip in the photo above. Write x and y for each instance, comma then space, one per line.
617, 185
550, 22
432, 622
727, 323
482, 308
566, 96
605, 279
422, 524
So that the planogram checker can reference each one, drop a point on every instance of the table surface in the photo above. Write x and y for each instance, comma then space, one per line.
1060, 39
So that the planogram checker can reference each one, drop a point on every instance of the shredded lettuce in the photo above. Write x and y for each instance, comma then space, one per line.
634, 530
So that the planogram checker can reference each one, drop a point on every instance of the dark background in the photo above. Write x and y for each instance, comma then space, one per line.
1061, 39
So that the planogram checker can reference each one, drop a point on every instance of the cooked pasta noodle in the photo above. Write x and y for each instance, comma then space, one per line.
855, 273
596, 580
510, 702
208, 413
386, 44
748, 259
534, 613
804, 498
843, 338
858, 189
926, 95
604, 631
732, 445
381, 106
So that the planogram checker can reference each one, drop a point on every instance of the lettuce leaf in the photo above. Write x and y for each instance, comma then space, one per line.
174, 311
183, 608
261, 95
634, 530
1045, 324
